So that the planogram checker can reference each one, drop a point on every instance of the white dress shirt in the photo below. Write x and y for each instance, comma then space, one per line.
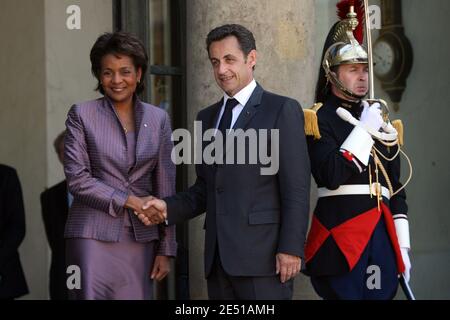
242, 97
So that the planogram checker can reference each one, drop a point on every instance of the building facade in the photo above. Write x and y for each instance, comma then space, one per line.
45, 62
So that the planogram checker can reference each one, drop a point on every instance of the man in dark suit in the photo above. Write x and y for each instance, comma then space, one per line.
55, 205
255, 222
12, 232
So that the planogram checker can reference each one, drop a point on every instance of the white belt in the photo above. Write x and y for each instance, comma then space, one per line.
353, 189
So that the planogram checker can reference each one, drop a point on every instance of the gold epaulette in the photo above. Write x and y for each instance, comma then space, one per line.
398, 125
311, 121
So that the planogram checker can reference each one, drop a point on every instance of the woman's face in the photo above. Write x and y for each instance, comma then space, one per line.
119, 77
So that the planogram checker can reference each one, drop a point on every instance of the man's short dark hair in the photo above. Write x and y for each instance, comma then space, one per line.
58, 141
243, 35
116, 43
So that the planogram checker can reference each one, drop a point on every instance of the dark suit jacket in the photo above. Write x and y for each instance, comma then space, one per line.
54, 213
249, 216
12, 232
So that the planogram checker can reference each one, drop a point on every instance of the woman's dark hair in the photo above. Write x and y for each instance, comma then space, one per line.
242, 34
116, 43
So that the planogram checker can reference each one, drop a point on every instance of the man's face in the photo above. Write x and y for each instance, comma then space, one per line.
232, 70
354, 77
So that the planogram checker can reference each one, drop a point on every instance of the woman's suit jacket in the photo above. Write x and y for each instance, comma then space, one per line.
95, 164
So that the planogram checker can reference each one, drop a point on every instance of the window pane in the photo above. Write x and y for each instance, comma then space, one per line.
166, 94
164, 32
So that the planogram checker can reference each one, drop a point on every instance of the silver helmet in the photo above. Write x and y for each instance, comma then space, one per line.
344, 50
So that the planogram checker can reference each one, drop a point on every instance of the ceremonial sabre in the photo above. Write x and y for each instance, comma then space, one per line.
406, 288
385, 110
384, 106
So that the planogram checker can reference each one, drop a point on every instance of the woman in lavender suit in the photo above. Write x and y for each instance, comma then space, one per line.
117, 155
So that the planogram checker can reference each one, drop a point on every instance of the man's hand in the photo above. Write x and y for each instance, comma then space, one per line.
371, 116
143, 208
161, 267
288, 266
154, 211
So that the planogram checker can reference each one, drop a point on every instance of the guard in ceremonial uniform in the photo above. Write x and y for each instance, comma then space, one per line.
358, 243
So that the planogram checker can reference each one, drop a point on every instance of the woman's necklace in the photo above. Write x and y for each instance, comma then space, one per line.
121, 121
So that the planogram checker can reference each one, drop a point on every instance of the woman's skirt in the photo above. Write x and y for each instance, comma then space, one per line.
111, 270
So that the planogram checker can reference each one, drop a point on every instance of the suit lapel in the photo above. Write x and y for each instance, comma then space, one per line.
249, 111
139, 111
212, 121
209, 122
148, 132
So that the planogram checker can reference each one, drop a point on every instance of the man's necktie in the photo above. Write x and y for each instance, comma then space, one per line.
225, 122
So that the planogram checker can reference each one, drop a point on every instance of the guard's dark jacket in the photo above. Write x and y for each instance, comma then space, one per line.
332, 215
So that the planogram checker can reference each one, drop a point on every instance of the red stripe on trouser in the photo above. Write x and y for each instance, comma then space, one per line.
390, 226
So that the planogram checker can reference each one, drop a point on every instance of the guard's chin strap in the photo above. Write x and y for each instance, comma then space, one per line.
351, 96
346, 92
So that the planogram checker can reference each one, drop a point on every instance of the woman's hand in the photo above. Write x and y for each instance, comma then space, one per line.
161, 267
136, 203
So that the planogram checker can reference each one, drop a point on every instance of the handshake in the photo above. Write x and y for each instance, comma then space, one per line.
153, 211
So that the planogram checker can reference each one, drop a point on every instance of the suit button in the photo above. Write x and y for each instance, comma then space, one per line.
219, 189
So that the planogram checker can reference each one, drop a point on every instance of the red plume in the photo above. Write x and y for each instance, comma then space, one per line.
343, 7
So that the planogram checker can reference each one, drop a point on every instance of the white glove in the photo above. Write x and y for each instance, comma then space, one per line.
406, 262
371, 116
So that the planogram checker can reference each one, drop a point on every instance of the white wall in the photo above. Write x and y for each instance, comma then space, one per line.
23, 122
67, 63
45, 68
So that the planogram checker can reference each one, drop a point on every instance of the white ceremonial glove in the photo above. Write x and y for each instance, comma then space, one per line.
371, 116
406, 262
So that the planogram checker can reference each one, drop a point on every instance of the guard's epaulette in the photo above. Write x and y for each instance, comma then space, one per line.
398, 125
311, 121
